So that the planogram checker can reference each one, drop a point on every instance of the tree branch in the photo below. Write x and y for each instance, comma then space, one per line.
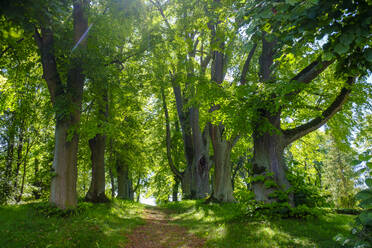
48, 61
160, 9
243, 76
173, 168
235, 140
308, 74
205, 62
300, 131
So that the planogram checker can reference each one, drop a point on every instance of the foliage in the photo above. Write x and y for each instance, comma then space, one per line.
362, 232
306, 193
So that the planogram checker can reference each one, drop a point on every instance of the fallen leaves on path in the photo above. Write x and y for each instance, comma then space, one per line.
159, 232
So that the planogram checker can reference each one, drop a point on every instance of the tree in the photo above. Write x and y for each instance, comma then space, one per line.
285, 84
67, 100
340, 176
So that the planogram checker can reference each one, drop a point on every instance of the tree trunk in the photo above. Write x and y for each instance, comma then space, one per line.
175, 189
123, 181
138, 195
200, 187
222, 186
19, 157
131, 191
36, 181
63, 187
269, 169
23, 181
112, 179
9, 156
195, 179
96, 192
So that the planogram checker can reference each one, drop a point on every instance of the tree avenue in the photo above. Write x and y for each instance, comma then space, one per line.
258, 102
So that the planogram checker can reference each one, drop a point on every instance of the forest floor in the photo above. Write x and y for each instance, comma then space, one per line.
160, 232
183, 224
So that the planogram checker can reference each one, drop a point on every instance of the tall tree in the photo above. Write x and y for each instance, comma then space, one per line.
184, 71
67, 100
285, 30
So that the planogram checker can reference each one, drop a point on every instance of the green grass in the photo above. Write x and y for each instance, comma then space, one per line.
107, 225
98, 226
225, 226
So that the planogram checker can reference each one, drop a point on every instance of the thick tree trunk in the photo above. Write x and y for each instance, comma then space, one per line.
63, 187
195, 179
222, 186
124, 184
200, 187
269, 169
96, 192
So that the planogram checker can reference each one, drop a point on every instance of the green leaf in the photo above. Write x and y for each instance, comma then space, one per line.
291, 2
366, 203
364, 157
347, 38
366, 218
369, 182
368, 54
369, 164
355, 162
364, 194
341, 48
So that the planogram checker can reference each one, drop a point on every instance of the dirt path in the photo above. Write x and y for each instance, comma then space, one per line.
159, 232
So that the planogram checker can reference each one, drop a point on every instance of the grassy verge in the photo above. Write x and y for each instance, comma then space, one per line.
225, 226
96, 226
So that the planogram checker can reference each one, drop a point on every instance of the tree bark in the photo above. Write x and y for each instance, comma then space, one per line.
200, 186
63, 186
112, 180
175, 189
97, 145
222, 186
195, 178
269, 170
96, 192
124, 184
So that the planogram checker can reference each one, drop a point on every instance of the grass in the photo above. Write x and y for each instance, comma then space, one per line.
98, 226
107, 225
224, 226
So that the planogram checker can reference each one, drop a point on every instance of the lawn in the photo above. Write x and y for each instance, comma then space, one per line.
107, 225
97, 226
225, 226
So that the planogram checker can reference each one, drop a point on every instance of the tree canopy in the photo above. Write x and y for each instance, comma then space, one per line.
264, 101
